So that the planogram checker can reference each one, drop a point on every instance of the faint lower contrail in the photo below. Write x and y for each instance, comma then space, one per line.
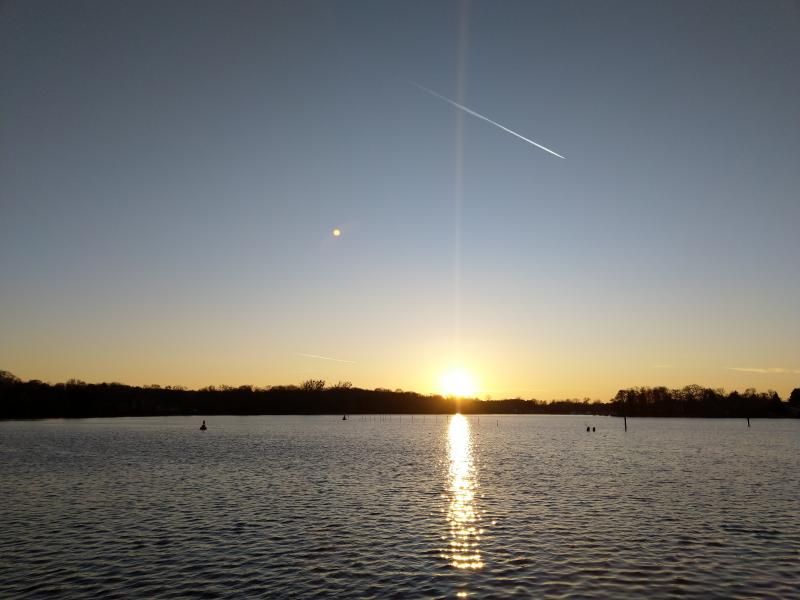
480, 116
325, 358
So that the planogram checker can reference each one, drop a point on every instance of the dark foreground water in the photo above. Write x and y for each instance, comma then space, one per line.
530, 506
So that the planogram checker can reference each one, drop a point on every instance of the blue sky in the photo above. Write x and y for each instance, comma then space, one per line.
170, 173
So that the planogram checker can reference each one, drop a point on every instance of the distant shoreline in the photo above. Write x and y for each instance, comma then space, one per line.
76, 399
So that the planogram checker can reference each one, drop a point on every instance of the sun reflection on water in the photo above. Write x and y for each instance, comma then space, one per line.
462, 515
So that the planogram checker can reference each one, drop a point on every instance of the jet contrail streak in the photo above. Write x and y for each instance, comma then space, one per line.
325, 358
480, 116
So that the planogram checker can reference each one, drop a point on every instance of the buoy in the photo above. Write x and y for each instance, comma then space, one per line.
203, 426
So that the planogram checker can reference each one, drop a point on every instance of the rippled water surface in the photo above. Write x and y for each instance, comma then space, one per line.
405, 507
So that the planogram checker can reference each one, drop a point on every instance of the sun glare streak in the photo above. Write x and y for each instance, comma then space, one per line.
458, 187
463, 551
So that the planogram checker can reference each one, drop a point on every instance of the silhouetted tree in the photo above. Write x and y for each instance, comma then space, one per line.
9, 378
35, 399
313, 385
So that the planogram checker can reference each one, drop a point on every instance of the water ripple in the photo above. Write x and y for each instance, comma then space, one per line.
305, 507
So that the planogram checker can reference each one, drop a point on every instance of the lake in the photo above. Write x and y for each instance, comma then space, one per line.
400, 507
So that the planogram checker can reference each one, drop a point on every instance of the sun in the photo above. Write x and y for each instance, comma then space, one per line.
458, 382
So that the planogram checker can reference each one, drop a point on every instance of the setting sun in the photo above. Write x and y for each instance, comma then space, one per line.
458, 382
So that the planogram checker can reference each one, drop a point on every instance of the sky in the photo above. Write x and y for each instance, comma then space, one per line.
171, 174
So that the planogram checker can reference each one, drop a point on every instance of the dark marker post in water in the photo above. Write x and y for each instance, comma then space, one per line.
203, 426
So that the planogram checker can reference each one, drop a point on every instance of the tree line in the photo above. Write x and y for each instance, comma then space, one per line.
76, 399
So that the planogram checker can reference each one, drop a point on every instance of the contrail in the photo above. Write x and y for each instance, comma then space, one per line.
763, 370
325, 358
480, 116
